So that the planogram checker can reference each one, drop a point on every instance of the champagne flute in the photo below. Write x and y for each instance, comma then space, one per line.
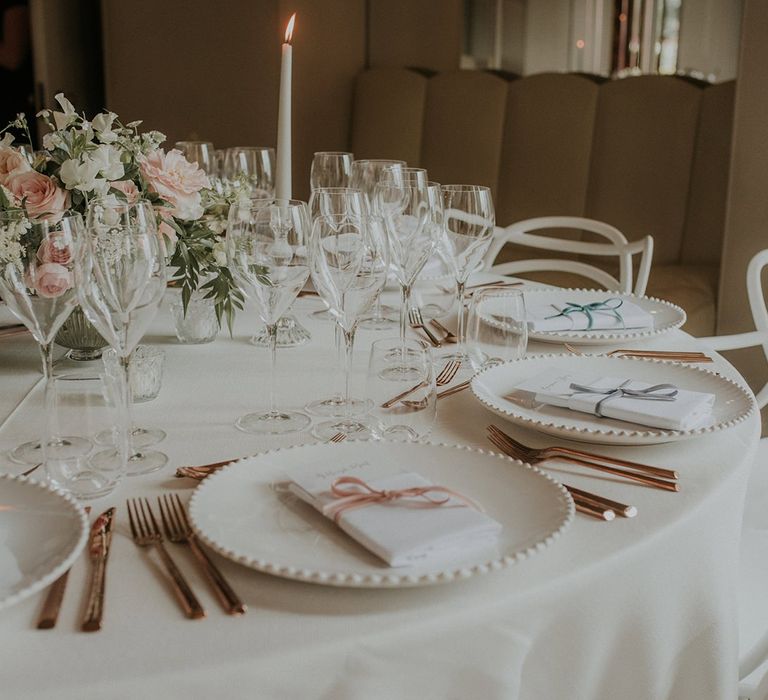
365, 176
469, 220
121, 278
37, 283
349, 262
267, 254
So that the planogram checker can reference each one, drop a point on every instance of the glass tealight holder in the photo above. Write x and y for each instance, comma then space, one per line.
199, 325
147, 364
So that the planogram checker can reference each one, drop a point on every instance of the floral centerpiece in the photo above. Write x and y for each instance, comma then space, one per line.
103, 157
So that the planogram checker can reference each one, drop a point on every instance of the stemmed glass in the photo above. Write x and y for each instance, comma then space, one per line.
254, 165
121, 279
330, 169
37, 284
412, 212
200, 152
469, 219
267, 254
365, 176
349, 262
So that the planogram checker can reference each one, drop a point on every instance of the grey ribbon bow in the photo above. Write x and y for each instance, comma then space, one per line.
609, 306
649, 394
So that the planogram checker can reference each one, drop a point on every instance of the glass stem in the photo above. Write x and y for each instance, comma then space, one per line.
405, 303
349, 341
50, 427
124, 442
460, 285
272, 332
338, 398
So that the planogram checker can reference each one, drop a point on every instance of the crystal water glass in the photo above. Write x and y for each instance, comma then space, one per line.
37, 282
267, 254
497, 327
200, 152
330, 169
121, 277
412, 416
349, 261
253, 166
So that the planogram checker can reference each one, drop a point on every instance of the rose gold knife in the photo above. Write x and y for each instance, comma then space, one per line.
98, 551
52, 604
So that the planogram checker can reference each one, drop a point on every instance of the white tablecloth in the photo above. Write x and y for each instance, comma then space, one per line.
638, 608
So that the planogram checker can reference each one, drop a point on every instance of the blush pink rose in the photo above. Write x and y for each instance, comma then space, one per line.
52, 280
43, 199
12, 162
176, 180
54, 249
128, 188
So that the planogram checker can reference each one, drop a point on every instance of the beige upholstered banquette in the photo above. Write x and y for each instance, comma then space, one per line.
648, 155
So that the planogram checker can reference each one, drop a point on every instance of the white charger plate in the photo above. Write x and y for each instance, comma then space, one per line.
42, 532
241, 513
666, 317
733, 405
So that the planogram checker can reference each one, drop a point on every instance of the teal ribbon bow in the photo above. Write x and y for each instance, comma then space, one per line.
587, 309
652, 393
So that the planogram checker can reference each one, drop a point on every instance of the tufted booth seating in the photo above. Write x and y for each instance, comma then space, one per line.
648, 155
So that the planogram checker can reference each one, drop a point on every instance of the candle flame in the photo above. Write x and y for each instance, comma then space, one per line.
289, 29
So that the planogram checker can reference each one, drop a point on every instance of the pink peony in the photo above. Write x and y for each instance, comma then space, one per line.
128, 188
176, 180
12, 162
54, 249
44, 200
52, 280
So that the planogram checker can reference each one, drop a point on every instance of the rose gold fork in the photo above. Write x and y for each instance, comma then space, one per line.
673, 355
416, 320
199, 473
534, 456
445, 376
178, 530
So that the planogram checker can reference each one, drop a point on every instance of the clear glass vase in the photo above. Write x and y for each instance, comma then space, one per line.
82, 339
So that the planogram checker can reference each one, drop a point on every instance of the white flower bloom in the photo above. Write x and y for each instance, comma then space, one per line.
51, 141
77, 175
65, 118
102, 124
220, 253
7, 140
107, 159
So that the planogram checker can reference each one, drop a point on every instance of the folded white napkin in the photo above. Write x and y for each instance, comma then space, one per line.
687, 411
543, 315
403, 531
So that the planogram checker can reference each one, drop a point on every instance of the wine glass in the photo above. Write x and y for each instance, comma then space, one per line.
252, 165
37, 283
200, 152
497, 327
349, 262
469, 220
267, 254
412, 210
330, 169
336, 201
121, 278
364, 177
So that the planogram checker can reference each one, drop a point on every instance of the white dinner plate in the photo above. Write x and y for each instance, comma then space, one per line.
732, 405
245, 514
42, 531
666, 317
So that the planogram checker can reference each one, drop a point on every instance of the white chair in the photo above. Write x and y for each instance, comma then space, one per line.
753, 567
617, 246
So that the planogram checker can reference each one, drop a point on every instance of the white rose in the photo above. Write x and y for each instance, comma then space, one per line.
78, 175
102, 125
107, 158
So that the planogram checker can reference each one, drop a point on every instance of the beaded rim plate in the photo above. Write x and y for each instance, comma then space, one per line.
667, 317
245, 514
733, 405
42, 532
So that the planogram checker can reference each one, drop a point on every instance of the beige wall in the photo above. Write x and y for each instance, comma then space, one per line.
419, 33
210, 70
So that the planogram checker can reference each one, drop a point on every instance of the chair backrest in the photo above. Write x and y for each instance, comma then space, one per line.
758, 337
617, 247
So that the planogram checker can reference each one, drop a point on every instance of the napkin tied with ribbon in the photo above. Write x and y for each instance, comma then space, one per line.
611, 313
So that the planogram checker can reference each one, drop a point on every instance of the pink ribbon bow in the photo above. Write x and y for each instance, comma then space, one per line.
349, 498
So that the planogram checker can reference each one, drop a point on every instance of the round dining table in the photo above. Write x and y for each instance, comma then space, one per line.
638, 608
